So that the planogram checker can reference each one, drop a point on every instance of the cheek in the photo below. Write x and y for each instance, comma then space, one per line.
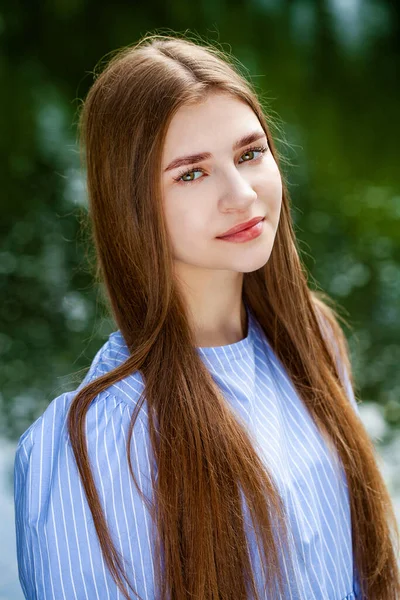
278, 196
274, 192
186, 225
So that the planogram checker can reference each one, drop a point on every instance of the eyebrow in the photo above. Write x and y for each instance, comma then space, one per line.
199, 157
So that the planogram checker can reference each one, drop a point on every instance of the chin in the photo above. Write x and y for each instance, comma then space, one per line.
254, 266
246, 264
250, 261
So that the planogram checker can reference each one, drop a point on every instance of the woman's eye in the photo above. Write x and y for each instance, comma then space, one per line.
250, 151
183, 174
188, 174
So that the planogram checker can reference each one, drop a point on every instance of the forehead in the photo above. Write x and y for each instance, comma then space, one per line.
219, 120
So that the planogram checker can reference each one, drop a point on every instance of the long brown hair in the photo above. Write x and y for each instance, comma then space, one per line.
205, 459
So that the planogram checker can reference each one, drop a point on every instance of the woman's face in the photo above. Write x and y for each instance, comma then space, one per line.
229, 186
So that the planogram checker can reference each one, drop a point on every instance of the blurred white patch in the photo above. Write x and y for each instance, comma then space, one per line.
10, 588
373, 420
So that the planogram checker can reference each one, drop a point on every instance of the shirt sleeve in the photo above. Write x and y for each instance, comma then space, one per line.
58, 552
22, 475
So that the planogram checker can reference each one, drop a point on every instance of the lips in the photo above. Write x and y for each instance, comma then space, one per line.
242, 226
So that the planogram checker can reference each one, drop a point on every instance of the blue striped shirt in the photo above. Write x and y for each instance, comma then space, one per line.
58, 552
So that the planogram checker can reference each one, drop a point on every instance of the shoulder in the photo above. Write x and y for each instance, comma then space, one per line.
50, 502
110, 356
46, 427
46, 475
113, 353
115, 404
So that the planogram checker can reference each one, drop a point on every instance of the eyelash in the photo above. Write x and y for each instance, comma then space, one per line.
261, 149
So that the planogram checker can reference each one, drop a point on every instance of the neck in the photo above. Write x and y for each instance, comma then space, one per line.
215, 305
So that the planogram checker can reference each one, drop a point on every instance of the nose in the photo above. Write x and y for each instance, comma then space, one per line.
238, 193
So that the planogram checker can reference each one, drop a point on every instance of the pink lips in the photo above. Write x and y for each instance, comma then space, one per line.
245, 235
241, 227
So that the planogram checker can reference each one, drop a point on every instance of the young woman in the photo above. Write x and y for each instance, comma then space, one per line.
214, 449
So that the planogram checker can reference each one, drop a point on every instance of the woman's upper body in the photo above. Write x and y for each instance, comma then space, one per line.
58, 551
175, 278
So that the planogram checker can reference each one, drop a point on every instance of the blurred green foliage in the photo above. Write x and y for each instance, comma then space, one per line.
328, 69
